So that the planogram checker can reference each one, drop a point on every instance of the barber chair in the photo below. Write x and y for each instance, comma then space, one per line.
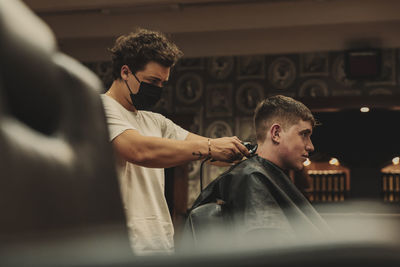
59, 194
202, 225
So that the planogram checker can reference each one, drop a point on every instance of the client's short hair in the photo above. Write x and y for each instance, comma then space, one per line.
282, 109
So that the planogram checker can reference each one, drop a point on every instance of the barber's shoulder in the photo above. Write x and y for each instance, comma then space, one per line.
156, 117
109, 102
104, 98
151, 113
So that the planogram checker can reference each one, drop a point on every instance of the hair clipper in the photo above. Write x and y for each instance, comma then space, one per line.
252, 148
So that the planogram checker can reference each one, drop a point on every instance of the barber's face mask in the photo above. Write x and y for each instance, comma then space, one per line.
147, 96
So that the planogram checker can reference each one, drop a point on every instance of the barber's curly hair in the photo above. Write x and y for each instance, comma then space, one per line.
138, 48
282, 109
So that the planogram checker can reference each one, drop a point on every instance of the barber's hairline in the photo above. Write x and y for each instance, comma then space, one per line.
143, 67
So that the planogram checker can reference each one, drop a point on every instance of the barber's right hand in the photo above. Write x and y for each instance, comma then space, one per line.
228, 149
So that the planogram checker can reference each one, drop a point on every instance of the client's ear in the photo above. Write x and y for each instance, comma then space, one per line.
275, 132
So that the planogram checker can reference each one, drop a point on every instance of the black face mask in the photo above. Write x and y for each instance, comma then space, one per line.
147, 96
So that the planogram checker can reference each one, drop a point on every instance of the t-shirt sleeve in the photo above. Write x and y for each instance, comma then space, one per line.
171, 130
115, 120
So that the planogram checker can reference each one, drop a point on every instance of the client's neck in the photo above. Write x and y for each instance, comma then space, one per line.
269, 152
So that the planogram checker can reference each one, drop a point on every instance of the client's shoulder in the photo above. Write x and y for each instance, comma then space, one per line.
244, 168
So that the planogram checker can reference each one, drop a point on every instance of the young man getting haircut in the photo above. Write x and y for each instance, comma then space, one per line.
258, 198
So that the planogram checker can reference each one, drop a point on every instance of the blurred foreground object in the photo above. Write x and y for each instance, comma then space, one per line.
59, 193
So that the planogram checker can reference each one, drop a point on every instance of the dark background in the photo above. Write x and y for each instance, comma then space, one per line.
363, 142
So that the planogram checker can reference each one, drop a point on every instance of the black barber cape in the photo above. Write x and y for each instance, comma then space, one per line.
255, 198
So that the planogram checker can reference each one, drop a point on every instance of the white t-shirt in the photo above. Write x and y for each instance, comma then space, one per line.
142, 189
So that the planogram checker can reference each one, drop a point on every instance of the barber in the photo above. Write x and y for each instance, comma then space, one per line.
146, 142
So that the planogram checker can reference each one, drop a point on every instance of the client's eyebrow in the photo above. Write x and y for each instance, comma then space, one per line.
306, 131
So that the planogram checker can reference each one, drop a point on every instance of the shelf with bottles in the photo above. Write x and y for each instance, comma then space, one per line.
390, 181
326, 181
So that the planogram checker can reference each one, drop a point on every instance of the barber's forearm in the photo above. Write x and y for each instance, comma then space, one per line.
159, 152
224, 150
163, 153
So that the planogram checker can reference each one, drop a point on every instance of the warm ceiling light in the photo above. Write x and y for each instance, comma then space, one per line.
396, 160
307, 162
334, 161
364, 109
